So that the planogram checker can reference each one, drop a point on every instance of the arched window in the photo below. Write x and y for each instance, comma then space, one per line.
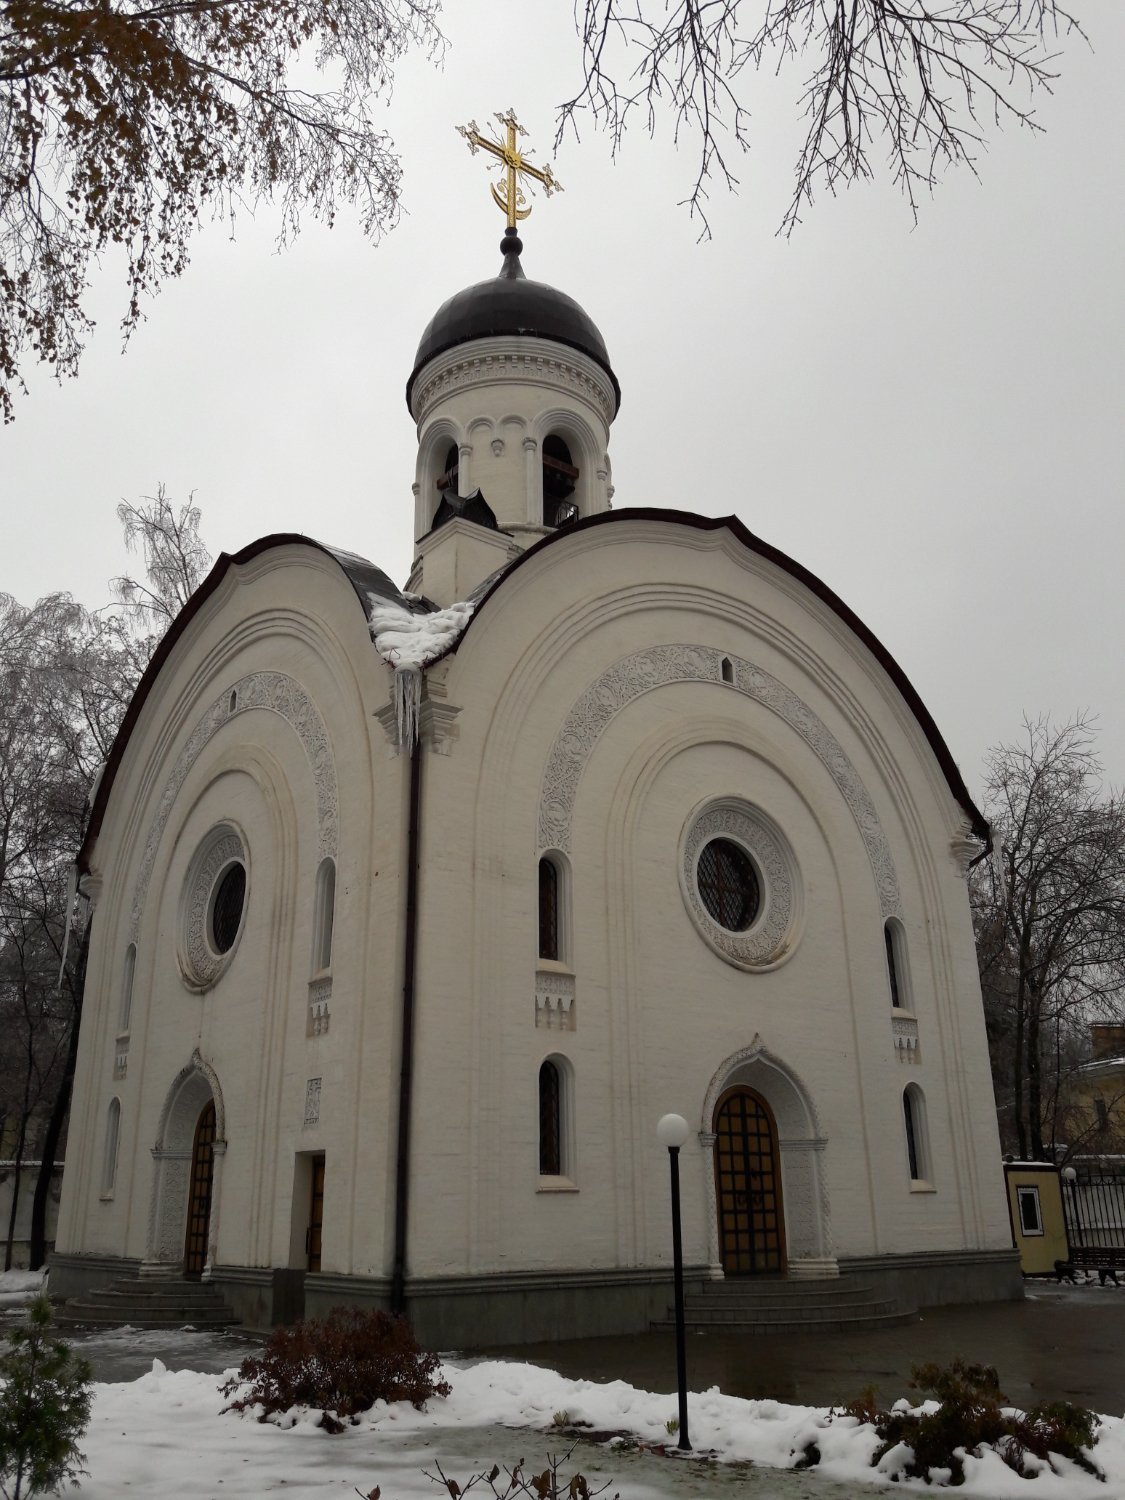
324, 916
447, 479
127, 988
897, 979
550, 1120
109, 1161
917, 1142
560, 476
727, 669
548, 909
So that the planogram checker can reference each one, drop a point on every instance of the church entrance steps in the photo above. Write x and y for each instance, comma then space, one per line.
148, 1304
776, 1305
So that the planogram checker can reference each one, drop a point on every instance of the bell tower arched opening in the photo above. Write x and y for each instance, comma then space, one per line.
560, 479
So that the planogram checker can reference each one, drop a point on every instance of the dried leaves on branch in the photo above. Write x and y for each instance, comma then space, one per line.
122, 122
912, 85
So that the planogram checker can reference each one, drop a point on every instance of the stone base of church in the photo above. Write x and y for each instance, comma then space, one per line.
542, 1306
933, 1278
75, 1275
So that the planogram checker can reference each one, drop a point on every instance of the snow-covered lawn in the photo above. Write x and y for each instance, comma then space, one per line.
165, 1436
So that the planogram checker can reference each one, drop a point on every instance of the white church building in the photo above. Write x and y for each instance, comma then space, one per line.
414, 910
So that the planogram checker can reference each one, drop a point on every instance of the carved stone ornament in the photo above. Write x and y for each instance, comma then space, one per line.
275, 692
200, 965
312, 1101
633, 675
772, 935
457, 371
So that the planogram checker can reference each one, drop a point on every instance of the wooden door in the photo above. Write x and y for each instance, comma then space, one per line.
199, 1192
316, 1214
748, 1186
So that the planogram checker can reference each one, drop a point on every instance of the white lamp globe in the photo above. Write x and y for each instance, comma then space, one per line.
1069, 1174
672, 1130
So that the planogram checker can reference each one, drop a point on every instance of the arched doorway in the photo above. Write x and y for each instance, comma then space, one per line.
748, 1185
199, 1192
187, 1163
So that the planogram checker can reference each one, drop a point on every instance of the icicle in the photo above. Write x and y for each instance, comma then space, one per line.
71, 897
408, 699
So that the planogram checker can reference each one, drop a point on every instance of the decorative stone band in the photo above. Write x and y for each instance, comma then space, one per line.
904, 1029
633, 675
320, 993
276, 693
508, 361
554, 1002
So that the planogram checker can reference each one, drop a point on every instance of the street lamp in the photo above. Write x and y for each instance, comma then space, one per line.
672, 1131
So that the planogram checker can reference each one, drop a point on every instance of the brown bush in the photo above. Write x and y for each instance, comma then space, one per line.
342, 1364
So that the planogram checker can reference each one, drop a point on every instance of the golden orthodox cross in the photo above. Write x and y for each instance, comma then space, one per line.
509, 195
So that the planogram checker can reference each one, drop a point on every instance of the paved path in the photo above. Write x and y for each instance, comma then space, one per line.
1065, 1344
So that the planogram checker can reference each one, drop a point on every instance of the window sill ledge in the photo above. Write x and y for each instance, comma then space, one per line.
553, 966
556, 1185
899, 1014
920, 1185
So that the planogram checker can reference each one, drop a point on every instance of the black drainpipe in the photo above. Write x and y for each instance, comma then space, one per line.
406, 1071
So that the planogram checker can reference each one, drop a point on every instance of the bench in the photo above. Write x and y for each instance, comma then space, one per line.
1106, 1260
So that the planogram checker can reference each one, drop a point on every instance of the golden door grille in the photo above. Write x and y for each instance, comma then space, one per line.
199, 1195
751, 1226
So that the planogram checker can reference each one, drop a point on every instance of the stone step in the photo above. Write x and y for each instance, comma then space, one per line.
811, 1312
782, 1292
830, 1324
148, 1304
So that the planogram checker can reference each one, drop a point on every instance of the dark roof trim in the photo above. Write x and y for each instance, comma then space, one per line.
363, 576
782, 560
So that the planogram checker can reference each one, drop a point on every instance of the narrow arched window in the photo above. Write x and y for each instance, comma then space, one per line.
447, 479
127, 988
324, 916
548, 909
109, 1160
727, 669
560, 476
550, 1120
914, 1123
896, 965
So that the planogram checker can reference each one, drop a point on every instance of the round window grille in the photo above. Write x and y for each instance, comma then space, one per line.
213, 907
728, 884
740, 884
226, 908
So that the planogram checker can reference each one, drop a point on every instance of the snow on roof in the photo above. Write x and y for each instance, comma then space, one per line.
407, 639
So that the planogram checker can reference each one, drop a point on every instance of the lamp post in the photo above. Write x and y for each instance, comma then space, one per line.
672, 1131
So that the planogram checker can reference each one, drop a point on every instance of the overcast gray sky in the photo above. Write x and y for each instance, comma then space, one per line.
930, 417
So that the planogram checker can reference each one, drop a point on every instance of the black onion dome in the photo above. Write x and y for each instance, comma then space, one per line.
511, 304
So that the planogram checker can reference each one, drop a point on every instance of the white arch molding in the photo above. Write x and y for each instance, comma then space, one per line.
276, 693
657, 666
193, 1087
804, 1182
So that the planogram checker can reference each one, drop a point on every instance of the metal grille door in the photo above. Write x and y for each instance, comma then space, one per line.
748, 1183
199, 1193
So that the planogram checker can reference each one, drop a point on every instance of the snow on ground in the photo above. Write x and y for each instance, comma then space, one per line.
164, 1435
17, 1288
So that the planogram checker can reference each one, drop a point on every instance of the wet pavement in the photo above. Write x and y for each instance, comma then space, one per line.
1060, 1344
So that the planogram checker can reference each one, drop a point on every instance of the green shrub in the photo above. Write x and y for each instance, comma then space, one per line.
970, 1414
44, 1409
343, 1364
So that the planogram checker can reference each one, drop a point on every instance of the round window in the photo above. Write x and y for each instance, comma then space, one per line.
728, 884
213, 906
740, 883
226, 908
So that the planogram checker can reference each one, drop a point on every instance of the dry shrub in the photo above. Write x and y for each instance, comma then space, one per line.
343, 1364
970, 1414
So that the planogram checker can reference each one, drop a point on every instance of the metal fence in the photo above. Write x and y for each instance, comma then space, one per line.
1094, 1203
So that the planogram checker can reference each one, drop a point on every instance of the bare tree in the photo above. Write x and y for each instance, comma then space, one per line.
122, 122
1049, 911
914, 82
66, 678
